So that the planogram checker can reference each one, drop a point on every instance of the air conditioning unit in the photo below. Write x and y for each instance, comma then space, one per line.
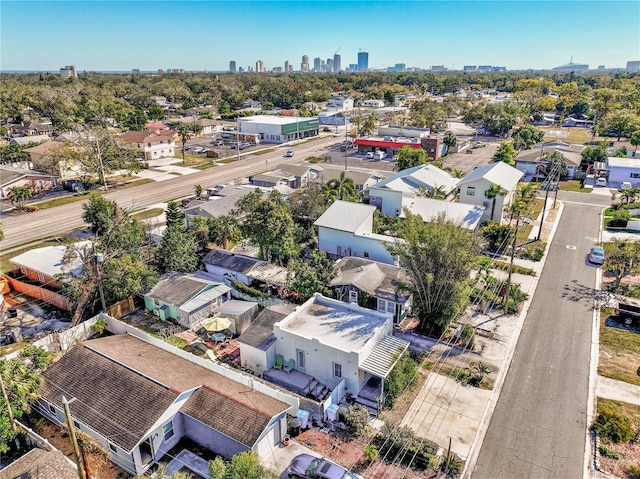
485, 204
156, 312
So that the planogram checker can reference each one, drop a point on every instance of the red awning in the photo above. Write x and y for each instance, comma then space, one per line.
396, 145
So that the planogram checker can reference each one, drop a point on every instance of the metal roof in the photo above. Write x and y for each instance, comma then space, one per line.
345, 216
269, 273
384, 356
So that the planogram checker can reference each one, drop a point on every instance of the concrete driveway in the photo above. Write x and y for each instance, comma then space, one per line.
281, 456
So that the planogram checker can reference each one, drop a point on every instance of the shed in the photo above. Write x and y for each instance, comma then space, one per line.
241, 314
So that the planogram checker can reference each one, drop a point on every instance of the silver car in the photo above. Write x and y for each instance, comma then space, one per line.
305, 466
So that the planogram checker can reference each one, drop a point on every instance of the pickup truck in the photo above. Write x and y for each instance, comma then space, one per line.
628, 311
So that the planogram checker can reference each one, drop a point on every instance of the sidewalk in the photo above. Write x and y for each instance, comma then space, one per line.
617, 390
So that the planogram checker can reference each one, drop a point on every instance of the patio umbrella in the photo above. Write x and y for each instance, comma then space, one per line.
216, 324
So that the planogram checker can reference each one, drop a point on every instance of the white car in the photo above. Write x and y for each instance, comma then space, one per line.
601, 181
289, 154
336, 135
369, 155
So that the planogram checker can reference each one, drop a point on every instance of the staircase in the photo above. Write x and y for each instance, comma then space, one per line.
315, 390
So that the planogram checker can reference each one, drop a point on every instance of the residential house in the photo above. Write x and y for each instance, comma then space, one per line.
31, 129
185, 298
346, 229
373, 285
373, 103
13, 177
623, 170
341, 103
533, 164
139, 399
208, 127
41, 464
467, 216
25, 140
389, 195
473, 187
42, 159
362, 180
228, 267
292, 176
152, 144
333, 349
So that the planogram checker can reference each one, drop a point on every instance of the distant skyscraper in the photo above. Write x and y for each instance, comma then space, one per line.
336, 63
400, 67
363, 61
329, 64
232, 66
259, 66
304, 66
68, 72
633, 66
317, 64
135, 71
286, 66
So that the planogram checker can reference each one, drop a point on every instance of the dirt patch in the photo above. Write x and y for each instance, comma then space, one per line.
350, 454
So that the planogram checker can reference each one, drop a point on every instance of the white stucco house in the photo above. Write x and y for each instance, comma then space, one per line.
390, 195
341, 103
333, 348
473, 186
373, 103
152, 144
623, 169
345, 229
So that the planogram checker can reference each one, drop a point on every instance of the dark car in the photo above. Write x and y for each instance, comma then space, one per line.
305, 466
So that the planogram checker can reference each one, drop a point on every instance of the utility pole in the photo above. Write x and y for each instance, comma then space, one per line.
513, 253
99, 261
74, 439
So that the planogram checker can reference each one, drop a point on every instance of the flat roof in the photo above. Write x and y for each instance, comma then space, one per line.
343, 326
623, 162
275, 120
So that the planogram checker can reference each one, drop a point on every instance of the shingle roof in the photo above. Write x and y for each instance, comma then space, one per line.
345, 216
133, 136
233, 262
182, 375
25, 140
40, 464
119, 403
358, 177
177, 288
379, 279
43, 147
261, 328
498, 173
9, 174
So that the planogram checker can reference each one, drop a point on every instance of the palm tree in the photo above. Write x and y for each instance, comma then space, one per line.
492, 193
224, 230
197, 189
19, 194
185, 135
339, 189
437, 193
480, 370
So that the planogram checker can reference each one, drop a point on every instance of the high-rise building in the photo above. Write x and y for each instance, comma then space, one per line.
135, 71
400, 67
336, 62
68, 72
363, 61
633, 66
259, 66
232, 66
329, 64
304, 66
286, 66
317, 64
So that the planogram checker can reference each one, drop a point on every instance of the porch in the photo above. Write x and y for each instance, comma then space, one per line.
299, 383
369, 396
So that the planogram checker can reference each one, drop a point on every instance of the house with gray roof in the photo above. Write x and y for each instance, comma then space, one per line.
533, 163
25, 140
37, 182
467, 216
362, 179
41, 464
374, 285
228, 267
138, 399
346, 229
185, 298
477, 182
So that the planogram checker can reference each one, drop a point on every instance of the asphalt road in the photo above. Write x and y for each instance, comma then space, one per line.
20, 229
538, 428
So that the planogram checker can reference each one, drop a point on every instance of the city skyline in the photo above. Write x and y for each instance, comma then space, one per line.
127, 35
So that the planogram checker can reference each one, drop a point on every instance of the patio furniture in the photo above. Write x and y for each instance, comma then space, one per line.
217, 337
279, 362
288, 367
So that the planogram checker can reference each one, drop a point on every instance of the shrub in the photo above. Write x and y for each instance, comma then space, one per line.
620, 218
613, 426
451, 466
606, 452
357, 420
467, 337
533, 253
370, 452
399, 379
633, 471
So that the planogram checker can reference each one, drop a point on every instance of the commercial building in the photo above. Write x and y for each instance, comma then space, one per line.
363, 61
68, 72
317, 64
232, 66
336, 63
304, 66
633, 66
278, 129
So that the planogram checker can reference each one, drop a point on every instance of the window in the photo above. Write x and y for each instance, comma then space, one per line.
353, 296
113, 448
76, 424
167, 430
149, 145
41, 277
634, 175
471, 190
301, 358
52, 409
386, 306
337, 370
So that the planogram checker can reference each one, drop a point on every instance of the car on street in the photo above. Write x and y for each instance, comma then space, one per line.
596, 255
336, 135
199, 150
217, 143
289, 154
326, 128
306, 466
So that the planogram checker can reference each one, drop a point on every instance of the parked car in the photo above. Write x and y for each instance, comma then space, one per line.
369, 155
628, 311
289, 154
336, 135
199, 150
217, 143
326, 128
601, 181
625, 185
305, 466
596, 255
479, 145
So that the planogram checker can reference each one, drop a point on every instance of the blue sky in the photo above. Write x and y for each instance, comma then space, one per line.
206, 35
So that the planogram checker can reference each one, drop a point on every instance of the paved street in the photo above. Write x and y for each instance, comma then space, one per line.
538, 428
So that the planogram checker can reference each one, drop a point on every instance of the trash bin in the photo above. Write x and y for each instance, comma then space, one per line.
303, 416
332, 412
294, 427
342, 413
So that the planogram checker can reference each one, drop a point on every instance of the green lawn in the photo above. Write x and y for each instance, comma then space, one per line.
619, 353
574, 185
579, 136
145, 215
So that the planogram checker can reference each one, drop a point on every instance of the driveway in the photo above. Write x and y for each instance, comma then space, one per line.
281, 456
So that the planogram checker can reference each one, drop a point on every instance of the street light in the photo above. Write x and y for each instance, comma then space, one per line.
99, 260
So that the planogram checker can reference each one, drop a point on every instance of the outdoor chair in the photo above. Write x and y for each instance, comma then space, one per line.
279, 362
288, 367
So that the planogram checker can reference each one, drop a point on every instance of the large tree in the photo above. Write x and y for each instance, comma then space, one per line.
525, 136
622, 260
178, 250
343, 188
505, 153
19, 194
620, 123
268, 223
309, 277
408, 157
224, 230
438, 257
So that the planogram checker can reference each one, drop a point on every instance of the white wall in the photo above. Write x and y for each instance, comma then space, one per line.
619, 174
370, 246
481, 185
390, 200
